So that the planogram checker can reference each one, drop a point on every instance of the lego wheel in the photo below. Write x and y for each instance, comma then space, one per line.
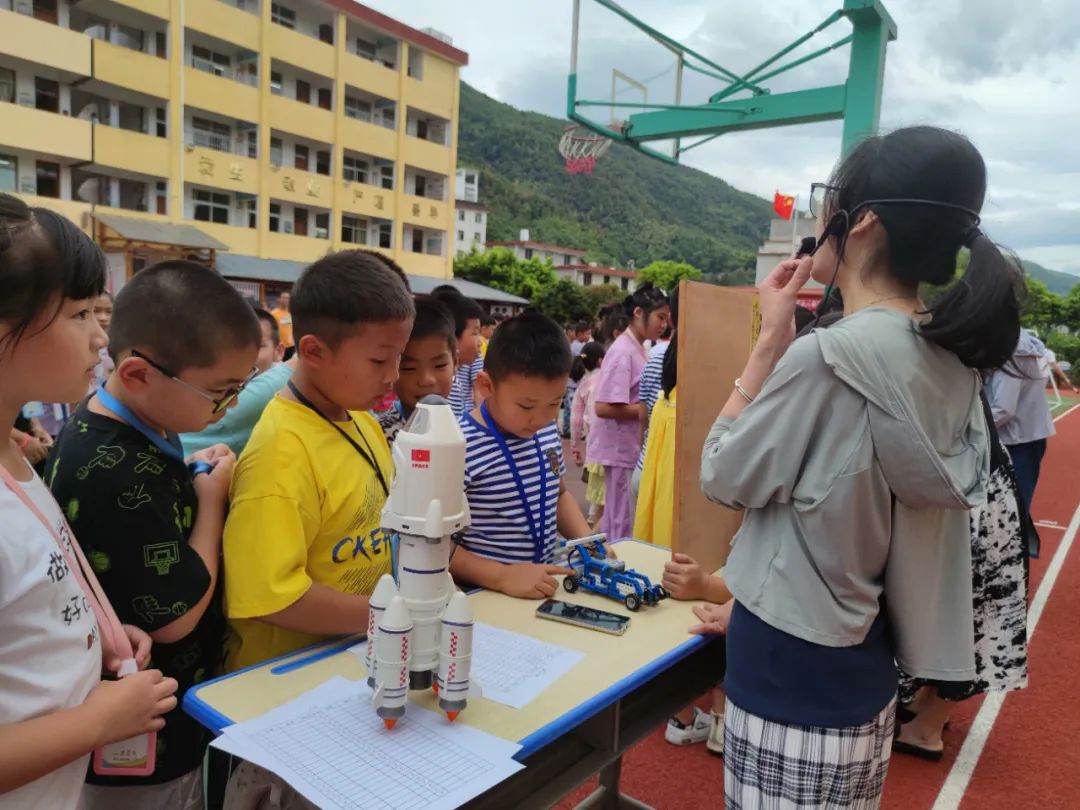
661, 593
571, 584
632, 601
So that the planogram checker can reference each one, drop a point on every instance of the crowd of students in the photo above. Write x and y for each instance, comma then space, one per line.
214, 502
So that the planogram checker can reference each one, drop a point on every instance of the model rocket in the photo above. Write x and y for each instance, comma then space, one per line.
420, 626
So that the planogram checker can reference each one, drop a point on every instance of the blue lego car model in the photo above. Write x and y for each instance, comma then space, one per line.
595, 572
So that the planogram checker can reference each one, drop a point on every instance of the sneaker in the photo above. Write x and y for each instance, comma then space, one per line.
715, 743
678, 733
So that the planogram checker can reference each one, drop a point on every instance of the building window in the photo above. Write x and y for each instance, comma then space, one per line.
275, 217
461, 236
476, 237
365, 49
283, 15
275, 83
470, 179
300, 221
249, 211
528, 253
45, 10
417, 240
9, 173
322, 162
461, 216
161, 193
159, 123
303, 91
355, 170
416, 63
48, 179
385, 117
385, 235
626, 284
387, 173
300, 157
422, 129
586, 279
326, 33
209, 61
607, 279
357, 108
420, 186
480, 218
276, 151
46, 94
7, 85
353, 230
211, 134
322, 226
248, 141
325, 98
211, 206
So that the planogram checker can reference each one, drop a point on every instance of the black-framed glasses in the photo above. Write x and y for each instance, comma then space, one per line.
819, 194
220, 403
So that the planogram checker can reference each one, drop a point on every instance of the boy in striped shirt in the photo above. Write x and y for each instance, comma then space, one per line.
514, 463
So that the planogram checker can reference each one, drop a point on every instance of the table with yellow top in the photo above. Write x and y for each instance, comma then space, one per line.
622, 689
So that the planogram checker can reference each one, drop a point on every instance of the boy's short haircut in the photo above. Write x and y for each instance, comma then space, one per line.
433, 319
487, 320
345, 290
266, 317
145, 316
530, 344
580, 327
463, 309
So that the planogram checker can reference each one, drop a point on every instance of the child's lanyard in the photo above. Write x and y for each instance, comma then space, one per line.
114, 642
368, 455
539, 537
165, 445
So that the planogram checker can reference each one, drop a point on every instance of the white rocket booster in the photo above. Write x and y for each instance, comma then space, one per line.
393, 651
425, 506
455, 655
380, 599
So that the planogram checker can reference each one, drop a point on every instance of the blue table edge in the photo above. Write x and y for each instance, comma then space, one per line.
216, 722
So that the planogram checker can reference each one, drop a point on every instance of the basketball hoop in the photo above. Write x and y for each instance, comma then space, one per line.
581, 148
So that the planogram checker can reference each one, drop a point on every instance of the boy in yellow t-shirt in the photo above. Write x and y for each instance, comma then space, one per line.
303, 547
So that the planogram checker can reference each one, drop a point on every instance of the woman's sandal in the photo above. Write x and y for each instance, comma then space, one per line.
911, 749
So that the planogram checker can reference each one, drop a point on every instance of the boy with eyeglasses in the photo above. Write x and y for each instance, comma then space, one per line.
149, 520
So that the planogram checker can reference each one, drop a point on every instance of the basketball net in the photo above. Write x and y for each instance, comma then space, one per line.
581, 148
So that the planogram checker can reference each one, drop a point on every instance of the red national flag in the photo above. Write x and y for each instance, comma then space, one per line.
783, 205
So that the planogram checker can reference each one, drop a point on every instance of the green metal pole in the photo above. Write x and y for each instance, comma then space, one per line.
873, 30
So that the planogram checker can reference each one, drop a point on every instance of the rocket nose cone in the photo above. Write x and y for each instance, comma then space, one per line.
389, 722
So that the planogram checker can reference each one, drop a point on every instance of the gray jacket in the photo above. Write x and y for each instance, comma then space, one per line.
1018, 396
857, 465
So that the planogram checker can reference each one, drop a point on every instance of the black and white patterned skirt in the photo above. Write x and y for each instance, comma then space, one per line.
774, 766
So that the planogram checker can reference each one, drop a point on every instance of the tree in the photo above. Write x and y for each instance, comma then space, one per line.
1042, 311
601, 295
667, 274
564, 301
501, 269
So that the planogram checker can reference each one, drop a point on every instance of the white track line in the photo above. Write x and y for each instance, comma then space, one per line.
1059, 417
952, 792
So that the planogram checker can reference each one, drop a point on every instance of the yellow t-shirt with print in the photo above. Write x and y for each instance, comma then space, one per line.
305, 507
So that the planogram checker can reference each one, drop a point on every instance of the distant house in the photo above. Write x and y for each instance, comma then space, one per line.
593, 275
470, 217
526, 249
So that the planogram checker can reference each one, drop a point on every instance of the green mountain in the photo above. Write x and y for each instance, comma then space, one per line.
1055, 280
632, 207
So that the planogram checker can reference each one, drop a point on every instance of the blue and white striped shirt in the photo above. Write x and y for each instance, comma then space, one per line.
500, 529
461, 391
649, 391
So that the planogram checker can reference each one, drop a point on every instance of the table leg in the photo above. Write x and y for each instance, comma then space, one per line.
607, 795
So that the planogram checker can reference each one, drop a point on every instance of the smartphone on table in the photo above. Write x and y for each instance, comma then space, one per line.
581, 616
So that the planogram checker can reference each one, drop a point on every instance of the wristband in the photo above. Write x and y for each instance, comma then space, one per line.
25, 440
200, 467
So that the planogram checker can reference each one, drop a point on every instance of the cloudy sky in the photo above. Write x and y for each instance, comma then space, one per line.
1006, 74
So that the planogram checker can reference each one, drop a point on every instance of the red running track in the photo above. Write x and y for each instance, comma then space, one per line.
1031, 758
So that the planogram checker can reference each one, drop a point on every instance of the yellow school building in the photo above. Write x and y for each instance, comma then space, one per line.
249, 133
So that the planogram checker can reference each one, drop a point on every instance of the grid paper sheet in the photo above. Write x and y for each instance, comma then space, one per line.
331, 746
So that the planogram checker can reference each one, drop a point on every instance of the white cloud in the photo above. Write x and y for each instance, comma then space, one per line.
1003, 73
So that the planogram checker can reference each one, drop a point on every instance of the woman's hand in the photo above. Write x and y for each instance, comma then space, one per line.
714, 618
779, 292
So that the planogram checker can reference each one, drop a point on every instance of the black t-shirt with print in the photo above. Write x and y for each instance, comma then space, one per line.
132, 509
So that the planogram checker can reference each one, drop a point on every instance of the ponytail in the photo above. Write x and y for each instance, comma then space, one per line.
669, 372
978, 319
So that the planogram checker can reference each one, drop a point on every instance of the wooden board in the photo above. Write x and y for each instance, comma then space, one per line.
717, 329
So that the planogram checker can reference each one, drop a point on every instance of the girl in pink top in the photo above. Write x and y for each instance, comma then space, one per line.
615, 433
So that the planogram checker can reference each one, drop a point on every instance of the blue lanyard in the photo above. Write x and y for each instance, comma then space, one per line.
168, 446
539, 537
